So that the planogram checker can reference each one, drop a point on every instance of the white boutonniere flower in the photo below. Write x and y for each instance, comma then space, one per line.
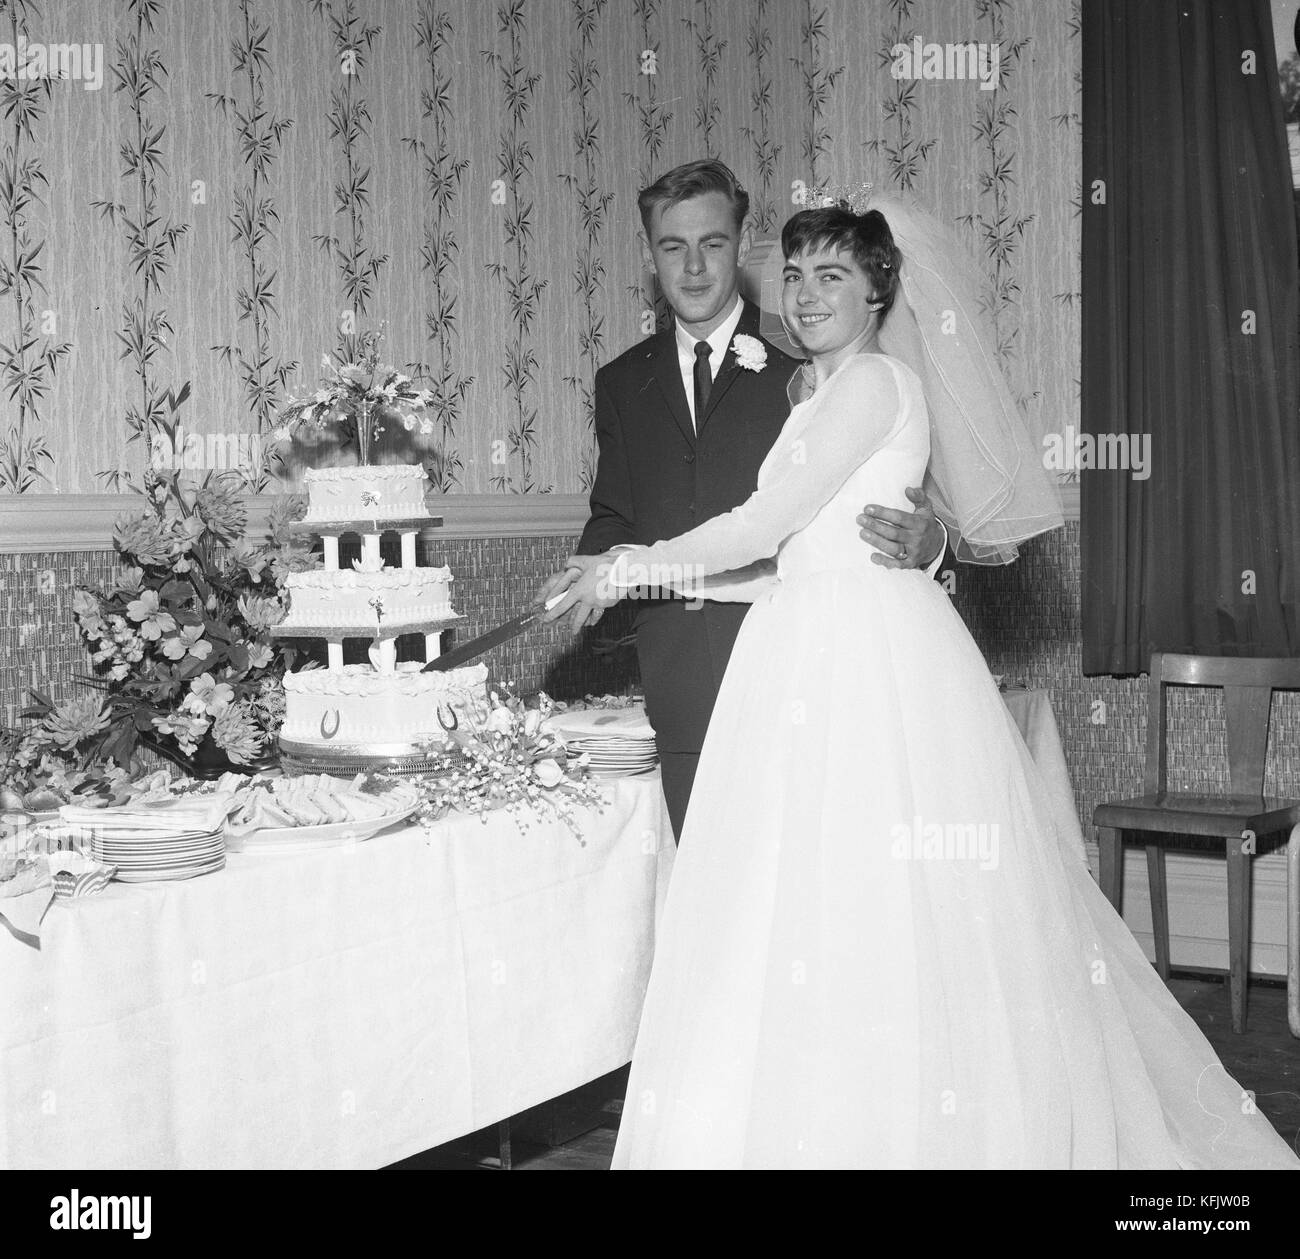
750, 352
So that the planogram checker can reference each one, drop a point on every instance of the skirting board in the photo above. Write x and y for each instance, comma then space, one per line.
84, 522
1198, 909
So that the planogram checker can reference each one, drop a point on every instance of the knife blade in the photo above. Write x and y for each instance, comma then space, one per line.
493, 638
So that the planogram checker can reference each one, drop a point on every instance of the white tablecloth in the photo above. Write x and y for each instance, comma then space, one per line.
346, 1007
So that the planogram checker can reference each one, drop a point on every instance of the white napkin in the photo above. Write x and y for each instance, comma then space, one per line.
603, 723
168, 817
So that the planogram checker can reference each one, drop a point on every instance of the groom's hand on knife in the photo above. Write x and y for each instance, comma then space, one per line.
903, 539
585, 586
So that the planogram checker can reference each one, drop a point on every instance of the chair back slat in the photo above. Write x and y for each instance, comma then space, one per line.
1281, 673
1246, 709
1247, 686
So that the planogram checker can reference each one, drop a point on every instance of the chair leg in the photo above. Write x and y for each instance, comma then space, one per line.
1159, 907
1110, 864
1238, 930
1293, 932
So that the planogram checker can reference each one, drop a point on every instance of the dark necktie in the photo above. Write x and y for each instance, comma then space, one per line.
703, 379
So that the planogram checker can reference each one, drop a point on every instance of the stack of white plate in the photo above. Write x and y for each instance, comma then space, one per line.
141, 857
177, 839
618, 741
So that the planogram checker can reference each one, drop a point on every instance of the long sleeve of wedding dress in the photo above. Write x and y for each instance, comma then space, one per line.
853, 415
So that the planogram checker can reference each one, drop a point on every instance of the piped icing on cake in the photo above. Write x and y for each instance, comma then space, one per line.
355, 705
370, 492
368, 600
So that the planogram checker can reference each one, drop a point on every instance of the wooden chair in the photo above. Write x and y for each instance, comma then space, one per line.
1238, 818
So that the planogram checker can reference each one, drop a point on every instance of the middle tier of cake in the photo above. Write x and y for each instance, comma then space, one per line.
368, 601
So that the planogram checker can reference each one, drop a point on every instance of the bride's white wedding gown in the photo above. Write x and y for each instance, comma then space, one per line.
839, 984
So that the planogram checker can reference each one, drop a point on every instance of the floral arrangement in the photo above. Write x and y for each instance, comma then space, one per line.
357, 395
180, 641
54, 763
509, 762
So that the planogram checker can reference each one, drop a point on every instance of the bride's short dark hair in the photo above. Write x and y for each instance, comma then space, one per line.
865, 237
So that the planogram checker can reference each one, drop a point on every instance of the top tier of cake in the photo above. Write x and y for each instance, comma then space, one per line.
370, 492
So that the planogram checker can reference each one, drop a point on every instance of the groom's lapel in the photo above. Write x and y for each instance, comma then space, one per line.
667, 375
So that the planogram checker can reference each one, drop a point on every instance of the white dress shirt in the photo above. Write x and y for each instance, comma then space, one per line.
719, 339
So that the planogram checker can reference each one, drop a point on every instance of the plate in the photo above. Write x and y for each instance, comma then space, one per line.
171, 874
327, 835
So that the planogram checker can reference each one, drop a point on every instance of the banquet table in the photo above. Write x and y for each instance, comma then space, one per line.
341, 1007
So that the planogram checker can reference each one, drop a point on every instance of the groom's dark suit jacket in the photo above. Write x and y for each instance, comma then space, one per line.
657, 478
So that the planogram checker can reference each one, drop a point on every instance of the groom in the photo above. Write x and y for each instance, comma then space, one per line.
682, 427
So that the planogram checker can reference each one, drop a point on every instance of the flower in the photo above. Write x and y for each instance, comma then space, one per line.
189, 641
260, 655
154, 622
186, 728
750, 352
142, 538
207, 695
548, 772
74, 720
220, 508
236, 731
362, 392
260, 613
500, 721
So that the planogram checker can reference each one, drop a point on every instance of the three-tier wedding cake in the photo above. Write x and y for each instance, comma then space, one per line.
384, 708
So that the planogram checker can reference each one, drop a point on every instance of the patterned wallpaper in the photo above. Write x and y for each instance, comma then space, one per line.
254, 181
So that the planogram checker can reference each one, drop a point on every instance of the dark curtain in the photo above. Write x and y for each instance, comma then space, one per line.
1187, 228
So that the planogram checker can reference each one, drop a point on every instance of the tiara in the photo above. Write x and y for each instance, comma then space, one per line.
852, 197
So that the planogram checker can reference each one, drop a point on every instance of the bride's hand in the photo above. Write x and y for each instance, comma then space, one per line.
588, 594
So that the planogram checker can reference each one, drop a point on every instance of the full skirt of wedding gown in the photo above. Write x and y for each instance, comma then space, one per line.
876, 950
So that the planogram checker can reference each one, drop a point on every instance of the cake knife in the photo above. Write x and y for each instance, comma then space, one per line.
493, 638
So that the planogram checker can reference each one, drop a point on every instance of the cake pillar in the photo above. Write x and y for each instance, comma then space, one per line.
383, 655
408, 549
432, 646
335, 655
370, 549
331, 542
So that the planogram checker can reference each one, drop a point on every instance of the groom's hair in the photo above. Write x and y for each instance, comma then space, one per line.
865, 237
693, 180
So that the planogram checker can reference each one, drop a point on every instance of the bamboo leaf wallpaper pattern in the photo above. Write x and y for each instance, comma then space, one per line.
466, 173
819, 82
905, 153
263, 375
758, 46
31, 356
152, 239
999, 229
654, 119
593, 210
709, 47
522, 287
443, 171
349, 123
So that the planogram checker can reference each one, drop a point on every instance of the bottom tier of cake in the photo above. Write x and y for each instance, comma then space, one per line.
355, 709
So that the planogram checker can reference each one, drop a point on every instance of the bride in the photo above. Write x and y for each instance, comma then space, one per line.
876, 951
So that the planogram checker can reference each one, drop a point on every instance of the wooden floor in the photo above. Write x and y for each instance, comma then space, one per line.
1266, 1059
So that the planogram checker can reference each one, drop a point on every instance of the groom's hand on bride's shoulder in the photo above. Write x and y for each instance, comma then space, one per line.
584, 591
903, 539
